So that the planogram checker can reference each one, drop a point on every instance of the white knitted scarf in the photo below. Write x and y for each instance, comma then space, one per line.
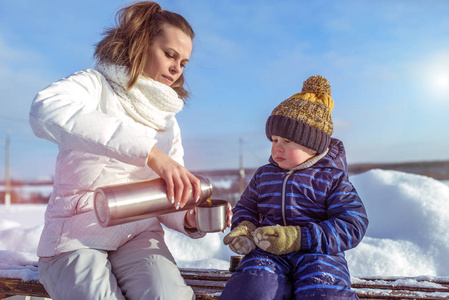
149, 102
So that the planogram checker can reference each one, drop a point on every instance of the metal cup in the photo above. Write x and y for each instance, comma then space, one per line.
211, 216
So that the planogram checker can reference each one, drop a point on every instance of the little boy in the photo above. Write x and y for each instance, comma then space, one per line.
299, 213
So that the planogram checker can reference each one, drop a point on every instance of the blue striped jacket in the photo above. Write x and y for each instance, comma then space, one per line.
320, 199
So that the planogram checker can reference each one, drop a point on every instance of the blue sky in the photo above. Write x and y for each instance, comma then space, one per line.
387, 62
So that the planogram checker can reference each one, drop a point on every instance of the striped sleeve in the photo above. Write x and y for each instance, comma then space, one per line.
246, 207
345, 226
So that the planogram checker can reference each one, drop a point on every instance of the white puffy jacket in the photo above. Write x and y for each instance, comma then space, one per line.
99, 145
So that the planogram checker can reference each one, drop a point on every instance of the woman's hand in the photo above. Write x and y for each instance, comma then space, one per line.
229, 214
190, 219
180, 182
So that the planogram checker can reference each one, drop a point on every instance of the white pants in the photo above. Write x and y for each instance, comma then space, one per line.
143, 268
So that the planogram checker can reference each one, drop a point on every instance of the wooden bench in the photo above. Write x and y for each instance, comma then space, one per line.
209, 283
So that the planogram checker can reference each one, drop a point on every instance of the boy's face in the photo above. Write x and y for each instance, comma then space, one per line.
288, 154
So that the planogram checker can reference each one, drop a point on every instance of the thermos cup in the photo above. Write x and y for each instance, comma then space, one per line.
211, 216
123, 203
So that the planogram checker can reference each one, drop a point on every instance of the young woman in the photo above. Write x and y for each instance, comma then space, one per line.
116, 124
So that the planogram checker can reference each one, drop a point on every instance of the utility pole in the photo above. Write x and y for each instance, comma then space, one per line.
241, 169
7, 179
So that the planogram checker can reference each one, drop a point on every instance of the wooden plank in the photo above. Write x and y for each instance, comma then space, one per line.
400, 287
408, 284
206, 294
205, 274
367, 288
404, 294
209, 283
15, 286
212, 284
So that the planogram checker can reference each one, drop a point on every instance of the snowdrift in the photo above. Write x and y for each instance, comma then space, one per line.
407, 235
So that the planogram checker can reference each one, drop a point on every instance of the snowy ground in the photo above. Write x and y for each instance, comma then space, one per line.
407, 235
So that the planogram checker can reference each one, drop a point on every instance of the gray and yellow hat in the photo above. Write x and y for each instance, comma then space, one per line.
305, 118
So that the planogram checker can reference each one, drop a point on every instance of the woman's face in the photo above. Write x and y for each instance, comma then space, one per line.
168, 55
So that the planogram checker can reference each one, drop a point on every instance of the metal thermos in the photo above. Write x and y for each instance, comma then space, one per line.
118, 204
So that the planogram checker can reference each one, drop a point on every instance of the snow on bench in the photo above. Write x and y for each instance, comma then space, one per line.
209, 283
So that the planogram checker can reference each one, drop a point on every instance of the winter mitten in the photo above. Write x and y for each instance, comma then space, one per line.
240, 239
278, 239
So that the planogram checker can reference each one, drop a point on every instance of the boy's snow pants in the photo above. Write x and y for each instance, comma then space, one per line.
297, 275
143, 268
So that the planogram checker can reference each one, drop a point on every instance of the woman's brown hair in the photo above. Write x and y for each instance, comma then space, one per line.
128, 43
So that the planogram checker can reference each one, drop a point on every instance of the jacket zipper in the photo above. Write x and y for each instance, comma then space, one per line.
284, 184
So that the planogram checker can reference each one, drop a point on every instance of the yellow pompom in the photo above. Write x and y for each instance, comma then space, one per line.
316, 84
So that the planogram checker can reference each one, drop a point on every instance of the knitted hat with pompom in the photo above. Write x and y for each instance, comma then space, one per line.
305, 118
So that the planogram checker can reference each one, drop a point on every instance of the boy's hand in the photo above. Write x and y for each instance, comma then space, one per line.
240, 239
278, 239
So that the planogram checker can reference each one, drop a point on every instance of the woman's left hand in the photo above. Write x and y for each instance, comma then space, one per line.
229, 214
190, 218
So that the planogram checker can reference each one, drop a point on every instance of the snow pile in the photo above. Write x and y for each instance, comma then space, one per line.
407, 234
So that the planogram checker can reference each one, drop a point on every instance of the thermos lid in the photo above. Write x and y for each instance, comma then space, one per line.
101, 207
